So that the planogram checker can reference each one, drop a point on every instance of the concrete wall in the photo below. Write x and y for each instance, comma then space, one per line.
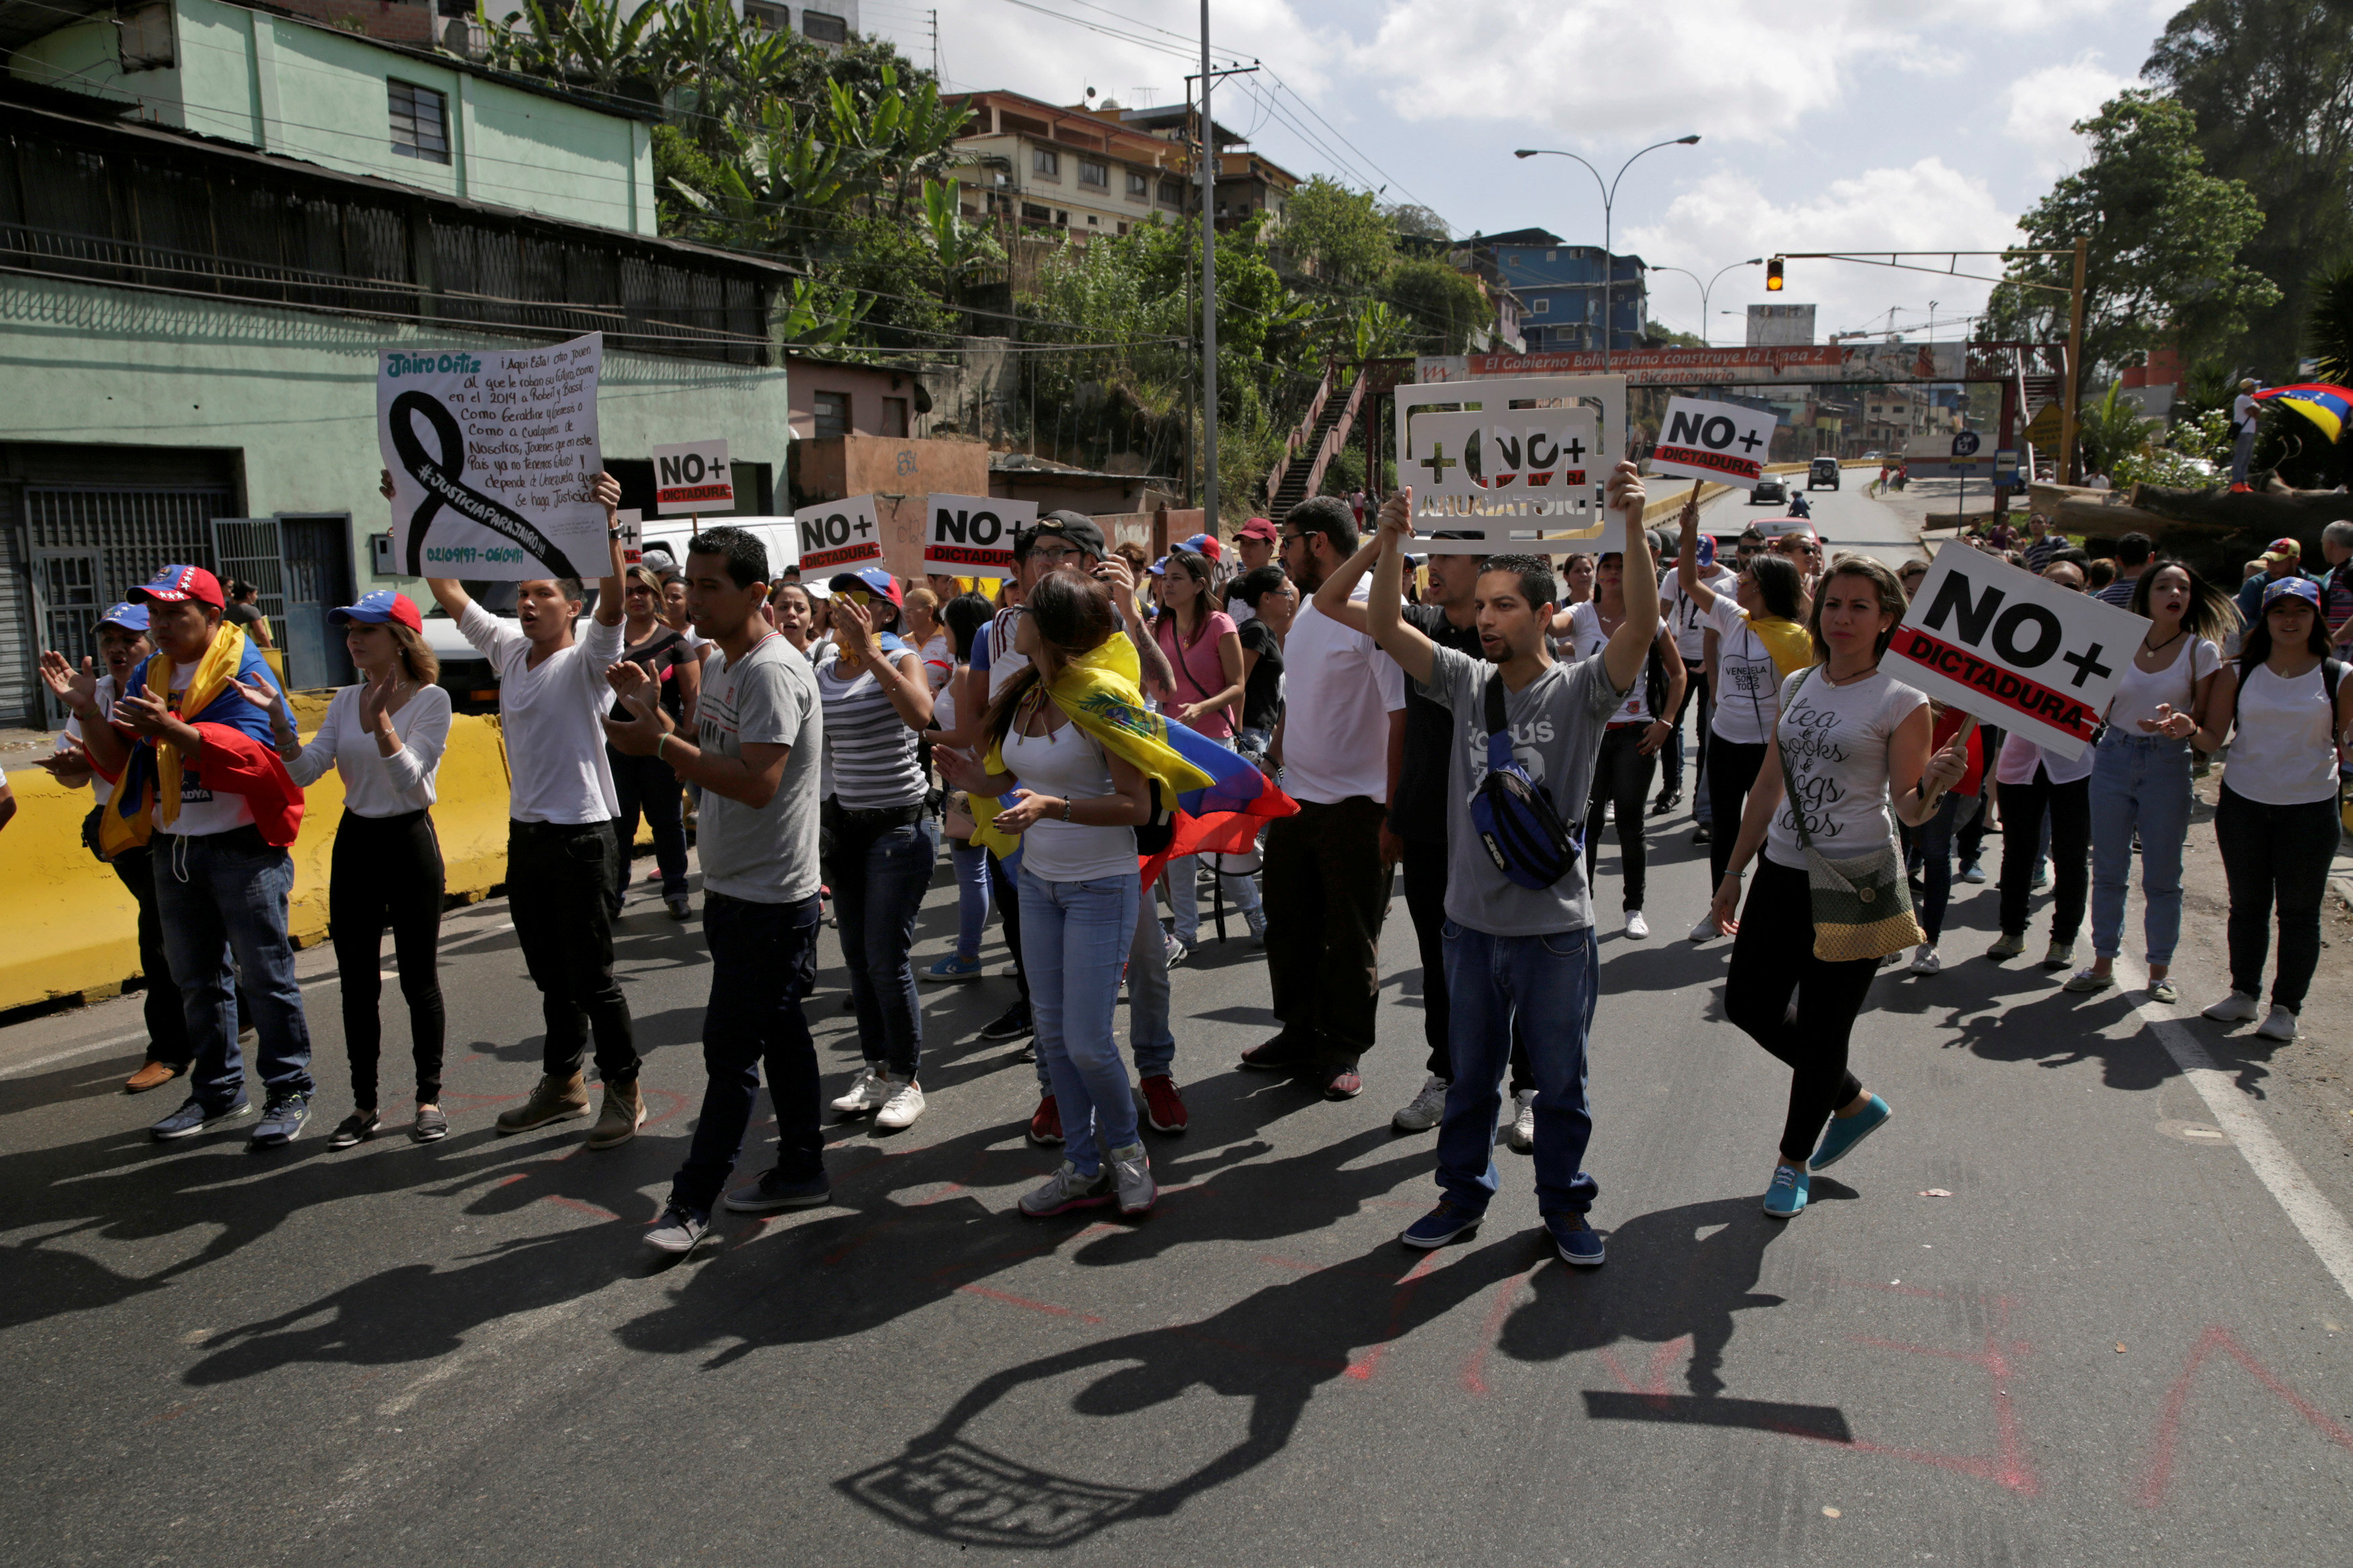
295, 393
901, 475
319, 94
866, 387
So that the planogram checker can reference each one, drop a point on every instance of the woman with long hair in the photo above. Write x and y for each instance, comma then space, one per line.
1761, 641
789, 608
384, 738
966, 617
1850, 756
1076, 812
646, 786
1273, 600
2291, 707
2165, 704
1204, 650
876, 706
1633, 737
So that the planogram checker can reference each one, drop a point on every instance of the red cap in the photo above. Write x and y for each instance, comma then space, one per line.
1260, 528
179, 585
376, 608
1205, 544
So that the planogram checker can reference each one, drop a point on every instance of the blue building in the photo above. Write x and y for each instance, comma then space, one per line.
1561, 286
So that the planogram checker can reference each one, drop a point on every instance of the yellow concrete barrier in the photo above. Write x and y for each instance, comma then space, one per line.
75, 929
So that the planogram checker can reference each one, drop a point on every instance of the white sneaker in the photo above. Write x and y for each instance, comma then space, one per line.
2238, 1007
1177, 947
1636, 926
1131, 1173
1704, 929
868, 1091
1925, 961
901, 1109
1523, 1134
2280, 1025
1426, 1110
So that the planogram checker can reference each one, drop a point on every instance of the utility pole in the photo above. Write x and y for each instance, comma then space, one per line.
2075, 369
1208, 291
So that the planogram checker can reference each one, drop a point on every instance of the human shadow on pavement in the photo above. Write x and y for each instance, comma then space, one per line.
2060, 1029
1275, 1348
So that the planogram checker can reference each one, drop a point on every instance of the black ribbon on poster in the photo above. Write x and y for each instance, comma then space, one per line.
438, 476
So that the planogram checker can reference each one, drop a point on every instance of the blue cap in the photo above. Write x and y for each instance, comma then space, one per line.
2293, 587
871, 577
1706, 550
379, 608
128, 616
1158, 568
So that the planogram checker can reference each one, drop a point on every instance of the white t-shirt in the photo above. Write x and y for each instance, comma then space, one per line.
373, 783
1339, 692
1069, 764
1833, 741
1748, 682
2284, 752
555, 746
2243, 409
203, 812
1684, 617
101, 790
2138, 692
2020, 758
1586, 637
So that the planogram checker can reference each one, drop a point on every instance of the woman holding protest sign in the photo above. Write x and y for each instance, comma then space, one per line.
1852, 747
2165, 703
2291, 709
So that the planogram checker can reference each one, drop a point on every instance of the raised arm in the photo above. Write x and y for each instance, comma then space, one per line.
608, 587
1385, 610
1687, 559
1159, 675
1630, 646
1336, 597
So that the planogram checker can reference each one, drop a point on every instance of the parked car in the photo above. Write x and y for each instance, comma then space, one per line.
1770, 489
1873, 455
1822, 471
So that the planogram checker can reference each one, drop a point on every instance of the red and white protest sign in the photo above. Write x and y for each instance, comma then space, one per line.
1719, 441
692, 476
2015, 649
972, 536
838, 535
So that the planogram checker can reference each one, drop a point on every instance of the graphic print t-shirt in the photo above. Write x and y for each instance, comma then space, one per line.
1833, 741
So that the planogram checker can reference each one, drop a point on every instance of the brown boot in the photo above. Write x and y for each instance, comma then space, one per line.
150, 1077
555, 1100
624, 1114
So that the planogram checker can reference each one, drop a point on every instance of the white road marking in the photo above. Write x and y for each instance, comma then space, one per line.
89, 1047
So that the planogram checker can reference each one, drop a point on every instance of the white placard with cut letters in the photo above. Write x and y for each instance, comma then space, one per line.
1512, 466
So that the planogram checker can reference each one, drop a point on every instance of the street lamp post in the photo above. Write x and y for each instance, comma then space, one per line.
1705, 288
1608, 203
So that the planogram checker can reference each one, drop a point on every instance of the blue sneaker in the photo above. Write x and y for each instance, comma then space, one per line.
1845, 1132
192, 1117
282, 1116
1785, 1198
952, 968
1439, 1226
1578, 1242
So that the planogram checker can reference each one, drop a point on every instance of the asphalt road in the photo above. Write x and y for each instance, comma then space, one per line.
2075, 1305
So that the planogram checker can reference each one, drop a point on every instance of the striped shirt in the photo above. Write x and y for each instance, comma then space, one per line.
869, 752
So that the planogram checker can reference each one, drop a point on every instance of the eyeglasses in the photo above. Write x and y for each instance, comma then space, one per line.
1288, 540
1055, 557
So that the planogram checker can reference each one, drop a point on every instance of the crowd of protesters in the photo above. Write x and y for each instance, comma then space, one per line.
1483, 721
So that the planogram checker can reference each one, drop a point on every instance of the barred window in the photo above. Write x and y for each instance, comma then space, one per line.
420, 126
823, 27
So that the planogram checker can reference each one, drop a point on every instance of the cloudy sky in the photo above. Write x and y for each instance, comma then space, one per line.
1837, 124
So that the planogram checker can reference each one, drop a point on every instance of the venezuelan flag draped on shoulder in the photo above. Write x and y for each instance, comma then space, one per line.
240, 754
1217, 795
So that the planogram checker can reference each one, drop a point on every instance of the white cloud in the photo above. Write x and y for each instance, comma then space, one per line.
2040, 110
1726, 217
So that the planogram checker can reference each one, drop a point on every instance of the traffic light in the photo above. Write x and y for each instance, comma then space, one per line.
1773, 276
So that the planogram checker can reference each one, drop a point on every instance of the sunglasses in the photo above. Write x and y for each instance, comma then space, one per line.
858, 597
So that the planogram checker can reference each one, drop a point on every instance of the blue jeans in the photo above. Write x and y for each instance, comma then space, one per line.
222, 896
1149, 1039
879, 882
971, 863
1934, 840
762, 963
1555, 983
2138, 780
1073, 936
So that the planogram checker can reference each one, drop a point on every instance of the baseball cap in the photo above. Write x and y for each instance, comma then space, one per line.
1260, 528
866, 579
128, 616
2282, 550
378, 608
2292, 588
1704, 550
180, 585
1158, 568
1077, 527
1206, 544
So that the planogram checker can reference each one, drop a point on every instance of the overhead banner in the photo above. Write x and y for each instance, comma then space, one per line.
693, 476
2016, 649
1719, 441
1510, 465
838, 535
972, 536
493, 459
1792, 364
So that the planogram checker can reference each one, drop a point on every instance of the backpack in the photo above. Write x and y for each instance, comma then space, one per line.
1514, 815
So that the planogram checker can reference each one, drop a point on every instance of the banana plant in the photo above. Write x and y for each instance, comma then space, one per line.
961, 249
591, 44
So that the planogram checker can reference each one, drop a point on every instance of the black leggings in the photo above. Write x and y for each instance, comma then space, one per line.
1772, 957
2070, 805
648, 787
387, 871
2275, 855
1621, 776
1732, 769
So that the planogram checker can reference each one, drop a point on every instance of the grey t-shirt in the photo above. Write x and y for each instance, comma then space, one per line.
1557, 721
766, 855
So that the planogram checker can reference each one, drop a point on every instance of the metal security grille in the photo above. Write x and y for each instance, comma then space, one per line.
247, 547
132, 533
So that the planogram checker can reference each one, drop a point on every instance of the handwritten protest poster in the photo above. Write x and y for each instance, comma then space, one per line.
492, 454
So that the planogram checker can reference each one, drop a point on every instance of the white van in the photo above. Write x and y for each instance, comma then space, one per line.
783, 539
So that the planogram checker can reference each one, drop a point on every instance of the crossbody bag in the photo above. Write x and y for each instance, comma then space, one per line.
1863, 906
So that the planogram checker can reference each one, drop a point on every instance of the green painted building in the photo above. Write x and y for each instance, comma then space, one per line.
212, 218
